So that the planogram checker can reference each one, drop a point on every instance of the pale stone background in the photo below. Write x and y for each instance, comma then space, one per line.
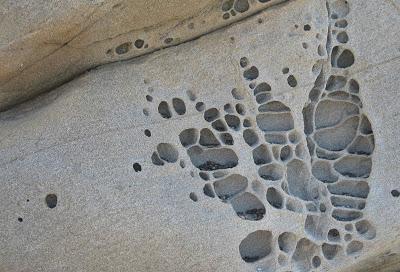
80, 141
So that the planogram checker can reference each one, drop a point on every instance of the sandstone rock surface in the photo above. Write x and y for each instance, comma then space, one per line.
268, 145
46, 43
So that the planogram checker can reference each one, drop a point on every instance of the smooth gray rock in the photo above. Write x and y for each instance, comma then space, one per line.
128, 149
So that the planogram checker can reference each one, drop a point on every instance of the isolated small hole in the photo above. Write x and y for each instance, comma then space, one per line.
123, 48
244, 62
168, 40
395, 193
193, 197
227, 5
192, 96
292, 81
204, 176
20, 219
139, 43
228, 108
149, 98
285, 70
246, 123
200, 106
147, 133
307, 27
342, 37
322, 207
137, 167
348, 227
146, 112
251, 73
240, 109
238, 94
51, 201
316, 261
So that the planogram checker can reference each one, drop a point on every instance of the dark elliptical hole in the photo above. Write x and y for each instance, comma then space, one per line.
193, 197
285, 70
137, 167
149, 98
20, 219
147, 133
395, 193
51, 200
292, 81
307, 27
200, 106
139, 43
123, 48
168, 40
244, 62
251, 73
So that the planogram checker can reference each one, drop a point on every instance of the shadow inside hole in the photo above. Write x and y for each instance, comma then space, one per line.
51, 200
137, 167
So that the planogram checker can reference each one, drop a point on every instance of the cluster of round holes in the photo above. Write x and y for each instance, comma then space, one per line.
233, 7
127, 46
137, 167
51, 200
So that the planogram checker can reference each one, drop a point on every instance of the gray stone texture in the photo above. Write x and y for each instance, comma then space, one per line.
299, 174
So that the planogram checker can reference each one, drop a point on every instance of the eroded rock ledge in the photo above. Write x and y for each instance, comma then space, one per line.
89, 34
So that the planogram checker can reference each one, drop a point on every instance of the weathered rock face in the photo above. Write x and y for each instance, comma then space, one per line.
46, 43
266, 146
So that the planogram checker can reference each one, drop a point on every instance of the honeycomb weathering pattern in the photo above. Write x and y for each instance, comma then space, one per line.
321, 172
